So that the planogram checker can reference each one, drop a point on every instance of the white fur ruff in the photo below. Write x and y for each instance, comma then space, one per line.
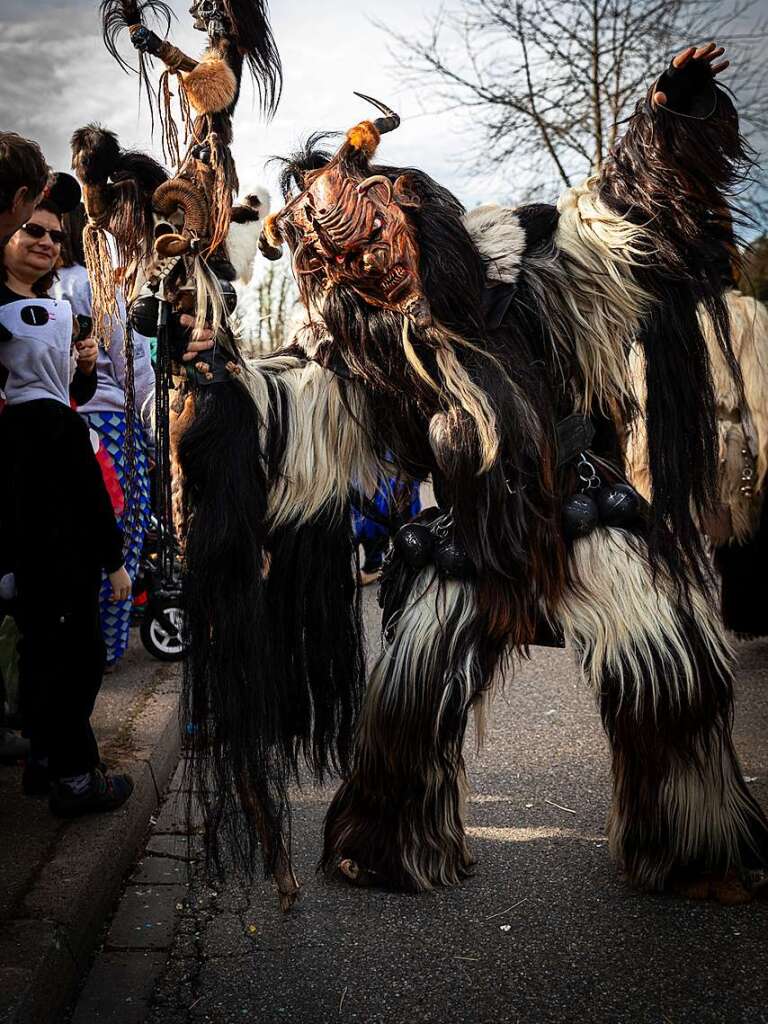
243, 239
243, 247
595, 303
500, 238
327, 448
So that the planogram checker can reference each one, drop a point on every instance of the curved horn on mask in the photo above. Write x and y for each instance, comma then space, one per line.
185, 196
383, 124
376, 179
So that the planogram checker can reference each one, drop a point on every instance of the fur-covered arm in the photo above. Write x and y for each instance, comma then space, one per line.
668, 185
628, 259
676, 167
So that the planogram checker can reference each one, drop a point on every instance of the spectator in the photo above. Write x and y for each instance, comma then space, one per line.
57, 525
396, 502
23, 177
106, 414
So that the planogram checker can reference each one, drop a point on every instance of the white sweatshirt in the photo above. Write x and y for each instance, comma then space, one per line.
36, 349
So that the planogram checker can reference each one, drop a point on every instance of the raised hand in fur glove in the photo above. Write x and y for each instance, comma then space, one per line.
687, 86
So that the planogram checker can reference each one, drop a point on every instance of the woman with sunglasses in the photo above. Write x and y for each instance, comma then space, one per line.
27, 271
57, 525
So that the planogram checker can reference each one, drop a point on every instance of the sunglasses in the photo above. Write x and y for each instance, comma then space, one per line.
38, 231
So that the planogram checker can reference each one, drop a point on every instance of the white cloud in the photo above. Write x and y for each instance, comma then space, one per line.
58, 76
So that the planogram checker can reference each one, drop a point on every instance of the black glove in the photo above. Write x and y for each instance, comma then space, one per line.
690, 90
146, 41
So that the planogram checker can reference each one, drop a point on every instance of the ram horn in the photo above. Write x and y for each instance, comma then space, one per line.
383, 124
187, 197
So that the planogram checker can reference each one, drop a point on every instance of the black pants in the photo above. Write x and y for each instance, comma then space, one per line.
61, 666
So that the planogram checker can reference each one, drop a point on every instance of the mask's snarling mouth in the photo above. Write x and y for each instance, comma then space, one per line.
394, 281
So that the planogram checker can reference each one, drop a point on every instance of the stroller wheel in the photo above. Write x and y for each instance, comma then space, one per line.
161, 631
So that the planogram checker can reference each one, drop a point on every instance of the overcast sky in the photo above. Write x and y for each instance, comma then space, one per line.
57, 76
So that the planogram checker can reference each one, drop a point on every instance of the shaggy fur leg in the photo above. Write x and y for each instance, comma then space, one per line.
397, 820
240, 756
662, 673
275, 851
275, 670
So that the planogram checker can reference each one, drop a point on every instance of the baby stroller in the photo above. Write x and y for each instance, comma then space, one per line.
157, 604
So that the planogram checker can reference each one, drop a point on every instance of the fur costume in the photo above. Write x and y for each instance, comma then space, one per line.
734, 527
489, 350
742, 419
492, 351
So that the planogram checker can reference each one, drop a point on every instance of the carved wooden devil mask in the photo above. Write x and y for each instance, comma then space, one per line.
351, 227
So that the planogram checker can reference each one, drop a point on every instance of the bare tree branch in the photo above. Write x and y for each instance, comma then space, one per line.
548, 82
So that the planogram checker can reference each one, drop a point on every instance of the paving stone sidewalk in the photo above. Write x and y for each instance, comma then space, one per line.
135, 948
59, 879
546, 931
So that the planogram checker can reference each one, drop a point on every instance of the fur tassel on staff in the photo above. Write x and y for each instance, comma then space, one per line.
252, 33
238, 32
118, 187
118, 191
242, 25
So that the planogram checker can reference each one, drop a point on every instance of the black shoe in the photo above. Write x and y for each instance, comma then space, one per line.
35, 779
12, 746
104, 793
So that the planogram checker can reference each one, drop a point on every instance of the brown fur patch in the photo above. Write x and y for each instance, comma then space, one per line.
272, 232
365, 137
211, 87
99, 200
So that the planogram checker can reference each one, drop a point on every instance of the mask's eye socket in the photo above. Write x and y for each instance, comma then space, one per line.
376, 229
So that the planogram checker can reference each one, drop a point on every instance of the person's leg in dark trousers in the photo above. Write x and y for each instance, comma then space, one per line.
61, 668
62, 660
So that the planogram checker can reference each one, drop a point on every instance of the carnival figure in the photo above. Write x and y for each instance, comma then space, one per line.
489, 350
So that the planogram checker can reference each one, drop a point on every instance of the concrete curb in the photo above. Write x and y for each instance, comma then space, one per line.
66, 908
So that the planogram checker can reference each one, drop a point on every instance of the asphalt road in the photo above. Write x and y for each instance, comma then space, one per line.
546, 931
